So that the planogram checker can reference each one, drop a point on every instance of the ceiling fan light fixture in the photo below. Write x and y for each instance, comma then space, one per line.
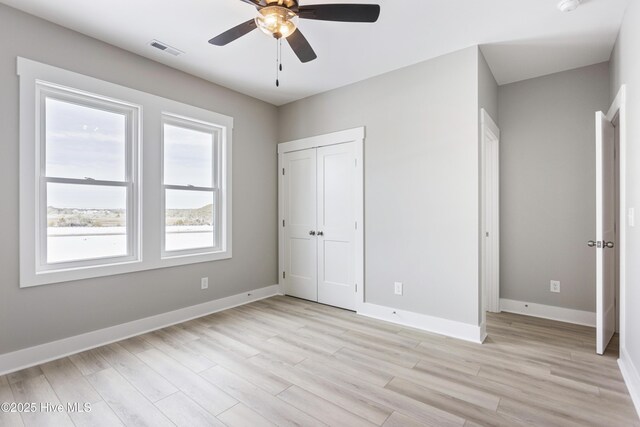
276, 21
568, 5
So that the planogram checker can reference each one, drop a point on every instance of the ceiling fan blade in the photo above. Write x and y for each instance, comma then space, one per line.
301, 47
341, 12
234, 33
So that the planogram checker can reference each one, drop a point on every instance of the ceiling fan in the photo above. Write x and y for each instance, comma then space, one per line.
277, 18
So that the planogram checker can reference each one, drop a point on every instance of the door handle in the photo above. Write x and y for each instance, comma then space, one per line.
591, 243
312, 233
609, 245
320, 233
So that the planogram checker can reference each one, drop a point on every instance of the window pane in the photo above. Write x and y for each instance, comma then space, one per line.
189, 220
188, 157
85, 222
84, 142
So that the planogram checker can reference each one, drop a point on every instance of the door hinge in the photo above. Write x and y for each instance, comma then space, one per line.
356, 225
356, 288
282, 171
283, 222
284, 275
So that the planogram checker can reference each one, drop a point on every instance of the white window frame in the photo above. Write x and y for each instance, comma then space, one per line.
148, 175
131, 112
217, 134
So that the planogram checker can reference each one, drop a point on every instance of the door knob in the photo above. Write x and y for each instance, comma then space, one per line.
312, 233
320, 233
609, 245
591, 243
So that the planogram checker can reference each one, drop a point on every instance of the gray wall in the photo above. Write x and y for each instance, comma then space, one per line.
625, 69
41, 314
421, 179
547, 204
487, 88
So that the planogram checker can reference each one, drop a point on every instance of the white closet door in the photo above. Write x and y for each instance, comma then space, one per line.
336, 225
300, 251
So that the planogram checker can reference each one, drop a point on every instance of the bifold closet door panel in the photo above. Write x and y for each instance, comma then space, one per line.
336, 225
299, 191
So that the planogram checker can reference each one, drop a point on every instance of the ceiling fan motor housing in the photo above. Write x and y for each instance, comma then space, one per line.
289, 4
277, 21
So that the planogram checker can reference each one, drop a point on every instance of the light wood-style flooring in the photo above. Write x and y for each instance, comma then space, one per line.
284, 361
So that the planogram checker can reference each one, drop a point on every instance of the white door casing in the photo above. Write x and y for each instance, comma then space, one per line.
605, 232
490, 213
336, 168
298, 190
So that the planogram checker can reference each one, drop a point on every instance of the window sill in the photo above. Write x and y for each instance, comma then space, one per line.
47, 277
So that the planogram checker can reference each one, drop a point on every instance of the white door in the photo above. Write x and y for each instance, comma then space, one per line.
490, 237
300, 243
605, 233
336, 225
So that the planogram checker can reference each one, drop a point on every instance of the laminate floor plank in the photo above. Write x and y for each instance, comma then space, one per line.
135, 344
37, 390
129, 404
8, 419
242, 416
287, 361
89, 362
148, 382
228, 338
429, 414
68, 383
182, 352
265, 380
184, 412
337, 394
322, 409
267, 405
101, 415
201, 391
448, 404
399, 420
24, 374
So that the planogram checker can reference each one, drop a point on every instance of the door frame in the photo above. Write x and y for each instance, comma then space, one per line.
490, 298
619, 108
355, 135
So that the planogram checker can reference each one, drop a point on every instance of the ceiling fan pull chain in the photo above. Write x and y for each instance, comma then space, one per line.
277, 63
280, 52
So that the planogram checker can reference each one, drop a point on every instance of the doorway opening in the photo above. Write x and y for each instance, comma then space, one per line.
613, 346
610, 227
489, 218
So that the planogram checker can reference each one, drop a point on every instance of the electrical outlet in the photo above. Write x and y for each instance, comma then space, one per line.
204, 283
397, 288
554, 286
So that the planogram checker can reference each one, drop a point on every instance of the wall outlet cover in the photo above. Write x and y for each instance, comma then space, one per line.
554, 286
204, 283
397, 288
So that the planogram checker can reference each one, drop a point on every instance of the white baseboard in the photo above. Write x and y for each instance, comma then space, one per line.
450, 328
631, 377
579, 317
20, 359
483, 331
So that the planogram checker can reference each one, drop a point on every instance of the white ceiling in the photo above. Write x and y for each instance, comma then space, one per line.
521, 38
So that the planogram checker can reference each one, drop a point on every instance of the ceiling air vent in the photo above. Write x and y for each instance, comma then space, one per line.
165, 47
